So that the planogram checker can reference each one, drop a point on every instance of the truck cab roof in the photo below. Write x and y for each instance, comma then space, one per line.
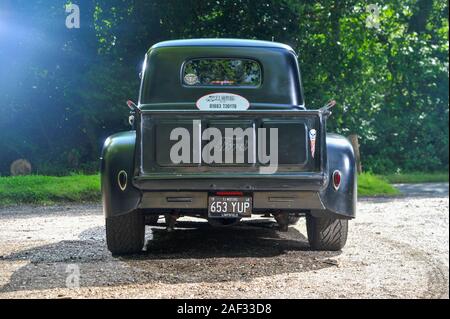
222, 43
268, 75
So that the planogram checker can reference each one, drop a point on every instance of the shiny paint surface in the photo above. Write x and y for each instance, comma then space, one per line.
340, 157
221, 43
292, 125
117, 156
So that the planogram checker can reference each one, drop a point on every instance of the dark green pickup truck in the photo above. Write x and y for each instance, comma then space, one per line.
221, 132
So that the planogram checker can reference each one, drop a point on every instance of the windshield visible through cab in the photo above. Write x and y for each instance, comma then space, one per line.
222, 72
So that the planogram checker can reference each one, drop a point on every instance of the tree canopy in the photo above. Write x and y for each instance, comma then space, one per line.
386, 64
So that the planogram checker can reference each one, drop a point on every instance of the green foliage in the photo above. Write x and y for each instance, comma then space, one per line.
418, 177
48, 190
371, 185
67, 96
44, 190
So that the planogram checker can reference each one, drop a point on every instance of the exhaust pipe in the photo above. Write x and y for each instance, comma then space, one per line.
171, 220
282, 219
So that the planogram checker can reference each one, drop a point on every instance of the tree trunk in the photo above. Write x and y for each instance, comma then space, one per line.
418, 21
355, 143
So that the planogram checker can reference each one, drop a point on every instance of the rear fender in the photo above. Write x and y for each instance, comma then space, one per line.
119, 197
340, 202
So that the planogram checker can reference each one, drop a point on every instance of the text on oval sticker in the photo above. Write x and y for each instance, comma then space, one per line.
223, 102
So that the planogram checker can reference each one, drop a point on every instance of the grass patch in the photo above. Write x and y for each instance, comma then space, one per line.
405, 178
371, 185
47, 190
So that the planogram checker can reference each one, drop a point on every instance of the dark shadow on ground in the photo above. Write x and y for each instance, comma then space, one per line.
193, 253
199, 240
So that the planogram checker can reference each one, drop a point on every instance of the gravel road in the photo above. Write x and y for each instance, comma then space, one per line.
397, 248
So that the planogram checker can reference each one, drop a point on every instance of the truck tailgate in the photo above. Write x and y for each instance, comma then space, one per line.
300, 144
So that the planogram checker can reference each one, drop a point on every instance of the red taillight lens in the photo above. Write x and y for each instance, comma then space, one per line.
337, 179
131, 105
230, 194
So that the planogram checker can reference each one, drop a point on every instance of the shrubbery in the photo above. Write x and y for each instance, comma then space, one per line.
391, 82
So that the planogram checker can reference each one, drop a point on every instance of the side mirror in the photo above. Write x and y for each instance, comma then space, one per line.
326, 109
132, 106
133, 110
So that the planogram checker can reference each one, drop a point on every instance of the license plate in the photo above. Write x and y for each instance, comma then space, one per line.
229, 207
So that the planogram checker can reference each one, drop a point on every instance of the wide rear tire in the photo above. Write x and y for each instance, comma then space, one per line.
326, 233
125, 234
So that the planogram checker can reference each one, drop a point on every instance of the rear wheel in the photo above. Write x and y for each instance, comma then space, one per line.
326, 233
125, 234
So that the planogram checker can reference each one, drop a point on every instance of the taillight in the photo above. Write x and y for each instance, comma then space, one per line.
132, 106
337, 179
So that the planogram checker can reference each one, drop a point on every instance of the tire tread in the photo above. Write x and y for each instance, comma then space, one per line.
125, 234
326, 233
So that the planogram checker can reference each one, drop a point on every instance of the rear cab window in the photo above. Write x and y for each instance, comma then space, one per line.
227, 72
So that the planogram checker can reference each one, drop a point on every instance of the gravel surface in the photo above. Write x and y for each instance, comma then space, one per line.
397, 248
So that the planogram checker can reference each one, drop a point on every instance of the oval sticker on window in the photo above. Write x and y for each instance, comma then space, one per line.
223, 102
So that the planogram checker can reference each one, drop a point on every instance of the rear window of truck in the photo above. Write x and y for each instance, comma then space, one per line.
222, 72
